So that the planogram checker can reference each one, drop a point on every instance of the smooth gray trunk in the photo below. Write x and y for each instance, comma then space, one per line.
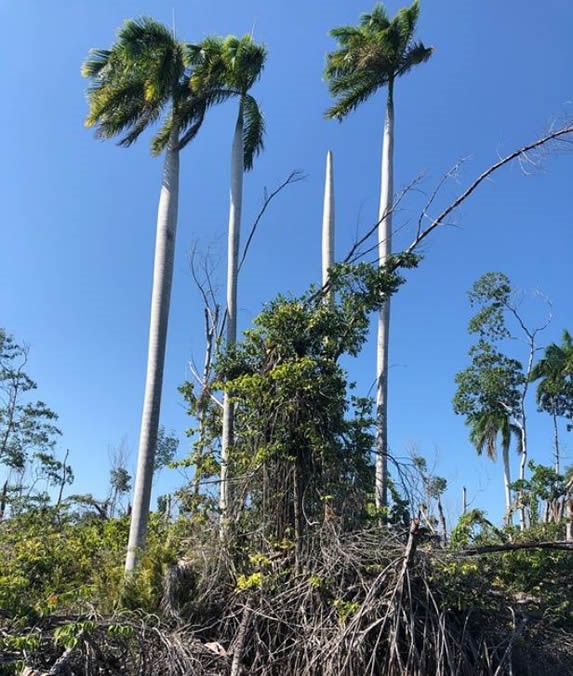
160, 300
506, 484
328, 221
236, 199
384, 251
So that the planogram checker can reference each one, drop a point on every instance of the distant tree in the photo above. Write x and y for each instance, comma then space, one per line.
555, 388
492, 391
167, 445
370, 56
28, 430
145, 77
119, 477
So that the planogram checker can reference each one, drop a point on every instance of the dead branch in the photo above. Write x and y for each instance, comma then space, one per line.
519, 154
510, 547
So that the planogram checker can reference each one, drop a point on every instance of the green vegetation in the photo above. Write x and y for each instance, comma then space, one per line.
292, 549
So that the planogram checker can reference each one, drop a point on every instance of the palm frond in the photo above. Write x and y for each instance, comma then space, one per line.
354, 93
97, 60
418, 53
253, 131
377, 20
193, 128
144, 36
406, 20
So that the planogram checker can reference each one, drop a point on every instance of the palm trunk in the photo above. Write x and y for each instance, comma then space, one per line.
328, 222
237, 155
160, 299
506, 483
384, 250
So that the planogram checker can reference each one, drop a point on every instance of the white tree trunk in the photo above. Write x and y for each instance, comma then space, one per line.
236, 200
557, 455
569, 515
160, 300
384, 250
522, 466
328, 221
506, 483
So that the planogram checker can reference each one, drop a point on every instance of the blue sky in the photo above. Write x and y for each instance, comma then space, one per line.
79, 214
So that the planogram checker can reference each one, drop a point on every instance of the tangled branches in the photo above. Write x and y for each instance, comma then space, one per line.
370, 602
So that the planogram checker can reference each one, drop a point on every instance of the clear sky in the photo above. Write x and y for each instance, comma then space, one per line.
78, 215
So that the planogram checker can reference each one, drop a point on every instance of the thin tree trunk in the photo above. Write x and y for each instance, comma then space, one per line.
442, 522
160, 300
522, 466
506, 483
569, 511
464, 500
384, 250
328, 222
236, 200
557, 458
63, 479
3, 499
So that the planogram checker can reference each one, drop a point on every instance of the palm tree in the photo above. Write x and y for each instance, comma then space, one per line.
555, 390
143, 79
233, 65
370, 56
484, 431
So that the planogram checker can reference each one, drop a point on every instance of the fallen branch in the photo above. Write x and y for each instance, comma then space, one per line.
510, 547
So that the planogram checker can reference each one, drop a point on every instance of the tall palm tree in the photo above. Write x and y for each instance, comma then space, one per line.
141, 80
233, 65
485, 428
372, 55
555, 390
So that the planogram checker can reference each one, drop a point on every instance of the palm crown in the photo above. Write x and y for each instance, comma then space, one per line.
555, 373
133, 83
372, 55
485, 428
231, 66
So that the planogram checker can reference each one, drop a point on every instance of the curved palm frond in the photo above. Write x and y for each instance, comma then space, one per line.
418, 53
360, 91
487, 426
253, 130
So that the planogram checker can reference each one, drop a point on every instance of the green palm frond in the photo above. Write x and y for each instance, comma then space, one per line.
359, 91
232, 62
144, 36
372, 54
253, 130
418, 53
245, 60
192, 128
207, 62
377, 20
146, 72
97, 60
406, 20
